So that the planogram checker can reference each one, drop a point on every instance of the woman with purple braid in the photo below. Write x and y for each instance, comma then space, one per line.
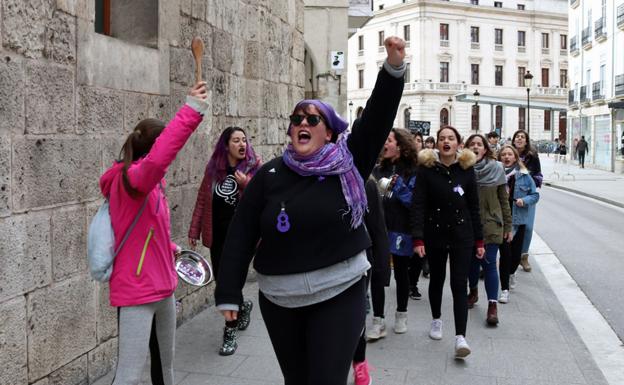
301, 220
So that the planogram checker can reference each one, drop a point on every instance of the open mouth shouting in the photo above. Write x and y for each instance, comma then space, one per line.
304, 136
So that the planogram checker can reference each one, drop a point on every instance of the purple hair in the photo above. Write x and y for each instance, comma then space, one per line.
217, 165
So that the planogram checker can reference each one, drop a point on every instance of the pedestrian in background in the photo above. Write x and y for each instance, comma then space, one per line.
496, 221
530, 158
522, 196
492, 138
447, 226
554, 148
398, 165
301, 221
144, 279
379, 257
581, 148
430, 142
417, 264
230, 168
563, 151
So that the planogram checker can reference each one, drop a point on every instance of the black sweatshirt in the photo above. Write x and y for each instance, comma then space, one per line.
320, 234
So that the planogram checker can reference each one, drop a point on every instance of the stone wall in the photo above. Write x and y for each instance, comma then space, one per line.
68, 98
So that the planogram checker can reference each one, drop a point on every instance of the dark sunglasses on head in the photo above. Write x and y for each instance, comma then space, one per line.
312, 120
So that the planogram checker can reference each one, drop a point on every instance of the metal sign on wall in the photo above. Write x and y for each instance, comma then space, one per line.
337, 60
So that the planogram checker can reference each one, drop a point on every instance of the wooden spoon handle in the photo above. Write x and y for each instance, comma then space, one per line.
197, 46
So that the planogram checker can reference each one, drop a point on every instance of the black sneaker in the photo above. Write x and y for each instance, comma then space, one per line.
229, 341
414, 293
425, 269
244, 316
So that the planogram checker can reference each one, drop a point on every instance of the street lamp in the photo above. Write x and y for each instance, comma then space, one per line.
475, 108
350, 111
450, 102
528, 80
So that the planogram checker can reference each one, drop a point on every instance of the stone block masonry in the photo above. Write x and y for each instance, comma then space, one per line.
68, 99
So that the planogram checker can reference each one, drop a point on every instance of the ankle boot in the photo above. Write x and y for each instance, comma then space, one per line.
492, 314
230, 343
524, 262
473, 297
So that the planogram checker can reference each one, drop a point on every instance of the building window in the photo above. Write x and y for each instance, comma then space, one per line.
498, 36
563, 78
498, 4
102, 17
444, 32
474, 2
498, 75
521, 118
521, 73
474, 74
547, 120
133, 21
521, 39
444, 72
361, 43
381, 6
360, 78
474, 34
381, 38
498, 120
406, 32
545, 82
520, 7
475, 118
545, 40
407, 73
563, 41
444, 117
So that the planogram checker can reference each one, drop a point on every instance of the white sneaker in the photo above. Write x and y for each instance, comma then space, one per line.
504, 296
512, 281
436, 329
461, 347
400, 322
378, 330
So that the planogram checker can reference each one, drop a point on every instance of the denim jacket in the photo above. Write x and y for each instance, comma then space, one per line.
524, 189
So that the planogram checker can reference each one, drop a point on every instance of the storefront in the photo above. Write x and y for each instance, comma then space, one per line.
603, 143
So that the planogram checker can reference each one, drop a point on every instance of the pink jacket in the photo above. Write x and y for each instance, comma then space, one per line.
144, 271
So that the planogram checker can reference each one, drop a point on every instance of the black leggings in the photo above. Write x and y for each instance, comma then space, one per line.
460, 265
315, 344
415, 267
216, 249
401, 277
510, 254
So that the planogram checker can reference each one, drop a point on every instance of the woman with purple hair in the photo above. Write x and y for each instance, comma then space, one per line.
301, 220
228, 172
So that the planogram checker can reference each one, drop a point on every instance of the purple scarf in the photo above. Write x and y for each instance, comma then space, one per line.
333, 159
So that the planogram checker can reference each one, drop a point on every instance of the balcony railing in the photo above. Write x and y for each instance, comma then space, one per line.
587, 40
574, 49
426, 85
545, 51
563, 52
550, 91
498, 47
597, 94
361, 52
444, 43
574, 3
521, 49
620, 16
619, 85
474, 45
571, 101
600, 33
583, 95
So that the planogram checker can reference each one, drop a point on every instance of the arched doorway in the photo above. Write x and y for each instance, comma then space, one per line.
444, 117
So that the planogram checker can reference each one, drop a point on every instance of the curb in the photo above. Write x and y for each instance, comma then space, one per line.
578, 192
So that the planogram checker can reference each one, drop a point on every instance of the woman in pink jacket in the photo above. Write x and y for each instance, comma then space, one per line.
231, 166
144, 279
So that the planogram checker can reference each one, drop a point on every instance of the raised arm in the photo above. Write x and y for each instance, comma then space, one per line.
366, 142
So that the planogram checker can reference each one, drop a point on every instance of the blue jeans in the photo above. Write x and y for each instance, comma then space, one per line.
489, 268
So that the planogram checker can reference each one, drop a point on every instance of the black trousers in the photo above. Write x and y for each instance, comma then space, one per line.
581, 157
415, 267
401, 277
510, 253
460, 265
315, 344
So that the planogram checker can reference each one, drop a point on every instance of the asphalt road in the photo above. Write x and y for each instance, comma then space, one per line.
588, 239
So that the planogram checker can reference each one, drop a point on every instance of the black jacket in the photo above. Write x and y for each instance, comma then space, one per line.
320, 234
446, 202
379, 253
396, 211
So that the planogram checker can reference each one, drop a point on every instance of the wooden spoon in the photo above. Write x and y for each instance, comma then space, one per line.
197, 46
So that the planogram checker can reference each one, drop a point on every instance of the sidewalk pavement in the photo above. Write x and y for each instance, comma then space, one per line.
534, 344
594, 183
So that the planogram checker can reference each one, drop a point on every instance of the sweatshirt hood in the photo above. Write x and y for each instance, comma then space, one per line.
428, 157
106, 180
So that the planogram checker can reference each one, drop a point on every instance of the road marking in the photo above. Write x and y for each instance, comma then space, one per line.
601, 341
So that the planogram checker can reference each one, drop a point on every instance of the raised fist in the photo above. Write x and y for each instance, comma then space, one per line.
395, 47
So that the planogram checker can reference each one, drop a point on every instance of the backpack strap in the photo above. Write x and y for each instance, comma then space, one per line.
136, 219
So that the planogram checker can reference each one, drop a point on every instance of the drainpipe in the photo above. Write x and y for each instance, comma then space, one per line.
613, 110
